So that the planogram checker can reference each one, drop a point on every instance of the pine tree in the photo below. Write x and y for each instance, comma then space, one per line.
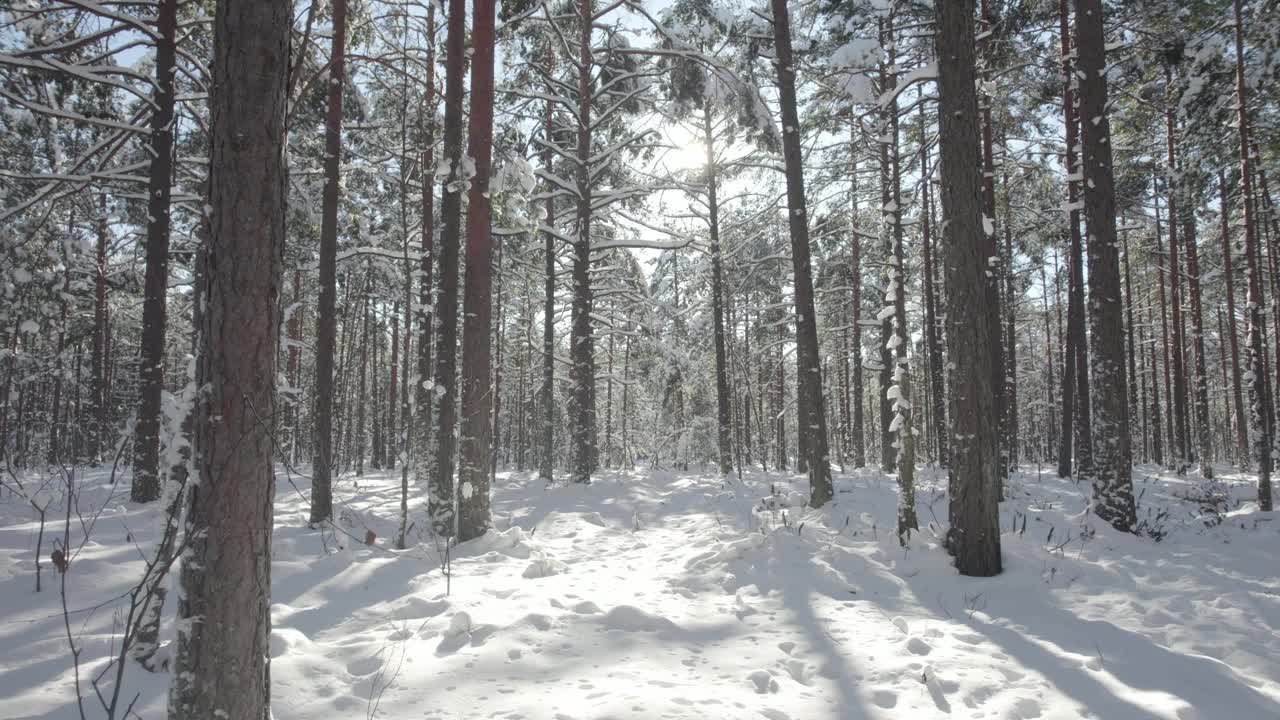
222, 665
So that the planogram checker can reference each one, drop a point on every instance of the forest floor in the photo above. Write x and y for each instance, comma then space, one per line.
651, 594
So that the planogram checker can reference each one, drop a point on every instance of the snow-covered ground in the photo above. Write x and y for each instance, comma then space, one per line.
656, 595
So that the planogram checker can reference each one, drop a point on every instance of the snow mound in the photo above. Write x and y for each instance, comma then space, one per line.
632, 619
287, 640
542, 566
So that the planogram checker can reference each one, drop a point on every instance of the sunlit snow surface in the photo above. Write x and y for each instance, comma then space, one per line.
655, 595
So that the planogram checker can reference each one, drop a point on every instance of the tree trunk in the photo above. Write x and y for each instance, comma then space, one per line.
477, 430
362, 384
858, 436
546, 460
98, 433
1135, 410
993, 248
1260, 408
582, 368
440, 496
417, 431
1010, 359
1200, 379
146, 452
974, 536
326, 316
393, 393
1237, 398
294, 367
1076, 431
1050, 407
724, 444
811, 417
222, 667
1177, 353
1157, 435
931, 329
1112, 482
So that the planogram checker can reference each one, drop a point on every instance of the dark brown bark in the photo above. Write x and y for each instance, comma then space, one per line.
1112, 483
326, 317
222, 666
974, 536
995, 271
146, 449
582, 367
477, 395
440, 494
1076, 431
1260, 406
811, 418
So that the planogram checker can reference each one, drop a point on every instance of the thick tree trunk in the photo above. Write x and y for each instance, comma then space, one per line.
974, 536
477, 395
1260, 407
1075, 438
146, 450
993, 246
811, 418
440, 495
582, 368
1112, 483
326, 317
222, 667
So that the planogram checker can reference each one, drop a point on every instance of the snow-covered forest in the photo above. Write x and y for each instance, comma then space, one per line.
835, 359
